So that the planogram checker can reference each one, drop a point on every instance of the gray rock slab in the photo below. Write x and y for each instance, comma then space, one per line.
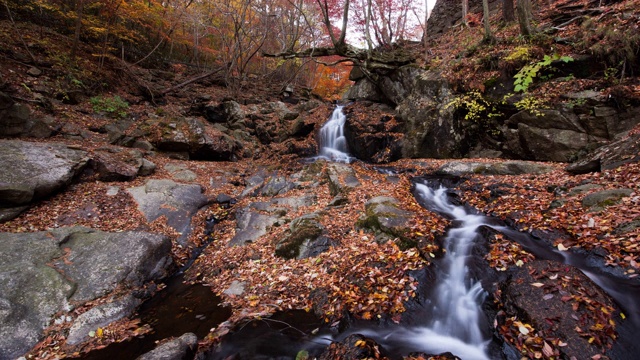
178, 202
37, 170
251, 225
45, 272
500, 168
342, 178
601, 199
101, 316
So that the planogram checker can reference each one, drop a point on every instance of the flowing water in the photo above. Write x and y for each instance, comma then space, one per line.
332, 142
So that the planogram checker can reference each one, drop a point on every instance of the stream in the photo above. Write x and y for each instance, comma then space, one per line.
451, 318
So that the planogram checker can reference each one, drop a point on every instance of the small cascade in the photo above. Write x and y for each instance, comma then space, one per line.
332, 142
457, 316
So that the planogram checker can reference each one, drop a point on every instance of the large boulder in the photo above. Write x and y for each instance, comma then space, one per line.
36, 170
113, 164
342, 178
548, 135
373, 132
610, 156
387, 220
16, 120
174, 201
192, 136
46, 272
431, 129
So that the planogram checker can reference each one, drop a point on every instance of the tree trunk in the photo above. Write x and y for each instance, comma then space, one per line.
465, 12
508, 14
76, 38
488, 36
523, 8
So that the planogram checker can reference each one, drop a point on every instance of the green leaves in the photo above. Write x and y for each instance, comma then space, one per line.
530, 72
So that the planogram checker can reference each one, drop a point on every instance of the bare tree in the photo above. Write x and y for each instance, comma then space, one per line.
508, 14
525, 14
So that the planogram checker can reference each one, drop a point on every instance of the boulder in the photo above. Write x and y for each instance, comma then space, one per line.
201, 142
373, 132
342, 178
37, 170
364, 89
251, 225
601, 199
182, 348
16, 120
176, 202
304, 239
101, 316
609, 156
276, 185
548, 144
118, 165
387, 220
457, 168
180, 172
58, 268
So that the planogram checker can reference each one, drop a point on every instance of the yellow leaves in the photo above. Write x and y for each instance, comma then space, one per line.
360, 343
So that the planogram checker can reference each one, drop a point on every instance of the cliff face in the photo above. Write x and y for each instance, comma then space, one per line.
447, 13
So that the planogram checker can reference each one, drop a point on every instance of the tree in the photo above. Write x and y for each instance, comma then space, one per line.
488, 36
524, 11
508, 14
465, 12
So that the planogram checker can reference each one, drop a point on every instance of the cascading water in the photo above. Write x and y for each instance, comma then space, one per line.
457, 316
333, 144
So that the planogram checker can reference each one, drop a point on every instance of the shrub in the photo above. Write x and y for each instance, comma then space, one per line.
113, 107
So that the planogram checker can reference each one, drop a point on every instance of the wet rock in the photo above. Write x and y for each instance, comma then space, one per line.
353, 347
387, 220
182, 348
63, 265
457, 168
101, 316
342, 178
177, 202
303, 239
601, 199
37, 170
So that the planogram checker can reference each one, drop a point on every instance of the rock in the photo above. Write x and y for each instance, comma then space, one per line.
384, 217
276, 185
581, 189
353, 347
34, 71
233, 112
177, 202
37, 170
300, 128
180, 172
610, 156
431, 129
251, 225
192, 136
364, 90
373, 133
300, 242
342, 178
551, 144
236, 288
147, 168
628, 226
117, 165
16, 120
182, 348
99, 261
529, 302
601, 199
57, 266
254, 183
545, 119
101, 316
457, 168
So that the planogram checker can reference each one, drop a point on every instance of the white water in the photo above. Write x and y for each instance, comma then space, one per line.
457, 314
333, 144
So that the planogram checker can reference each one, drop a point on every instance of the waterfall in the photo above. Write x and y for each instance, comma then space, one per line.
332, 142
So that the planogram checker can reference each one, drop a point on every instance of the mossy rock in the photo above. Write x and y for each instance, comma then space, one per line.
602, 199
385, 219
303, 231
